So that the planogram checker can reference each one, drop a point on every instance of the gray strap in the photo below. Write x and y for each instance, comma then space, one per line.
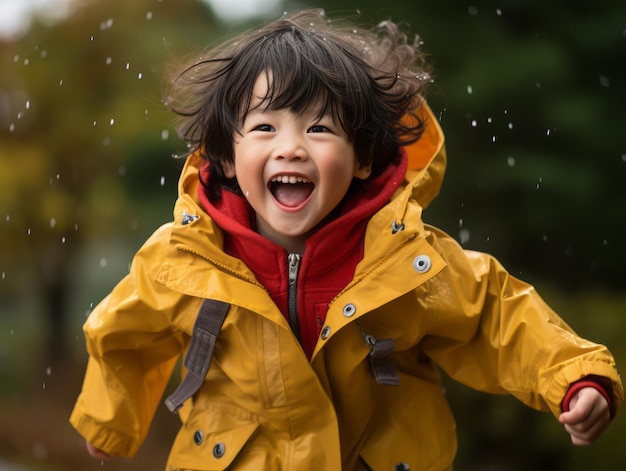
382, 367
198, 358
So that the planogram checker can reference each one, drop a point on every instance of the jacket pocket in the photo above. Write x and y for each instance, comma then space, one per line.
197, 449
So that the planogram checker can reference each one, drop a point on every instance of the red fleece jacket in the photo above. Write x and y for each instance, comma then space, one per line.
331, 255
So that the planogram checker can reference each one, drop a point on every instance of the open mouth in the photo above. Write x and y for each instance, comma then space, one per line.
290, 190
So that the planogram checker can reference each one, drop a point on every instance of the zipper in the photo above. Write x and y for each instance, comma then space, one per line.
292, 299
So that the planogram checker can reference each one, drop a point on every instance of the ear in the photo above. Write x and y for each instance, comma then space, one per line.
362, 171
229, 169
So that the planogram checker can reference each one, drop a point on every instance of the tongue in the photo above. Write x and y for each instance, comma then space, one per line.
292, 195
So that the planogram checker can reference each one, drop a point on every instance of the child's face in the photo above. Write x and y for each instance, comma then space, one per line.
292, 168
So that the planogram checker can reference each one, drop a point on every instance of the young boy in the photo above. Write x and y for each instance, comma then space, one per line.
332, 305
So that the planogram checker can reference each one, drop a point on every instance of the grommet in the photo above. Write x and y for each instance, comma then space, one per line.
219, 449
198, 437
402, 467
325, 332
349, 310
422, 263
397, 227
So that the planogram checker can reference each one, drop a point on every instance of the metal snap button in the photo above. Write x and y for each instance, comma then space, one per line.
422, 263
219, 449
198, 437
349, 310
325, 332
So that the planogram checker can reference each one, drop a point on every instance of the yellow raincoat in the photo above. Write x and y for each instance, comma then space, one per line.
265, 406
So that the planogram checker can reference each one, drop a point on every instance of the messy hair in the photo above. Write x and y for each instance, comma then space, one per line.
371, 80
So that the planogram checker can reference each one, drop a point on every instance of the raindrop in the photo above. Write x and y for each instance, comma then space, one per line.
623, 157
61, 83
108, 61
493, 138
545, 237
16, 58
469, 90
489, 120
498, 12
103, 262
53, 223
605, 81
510, 125
121, 171
94, 122
112, 121
49, 371
539, 182
91, 38
127, 65
4, 275
8, 217
464, 235
472, 10
510, 161
11, 127
149, 16
461, 222
139, 75
63, 240
44, 54
474, 123
106, 142
26, 61
165, 134
538, 84
548, 132
28, 231
162, 181
27, 104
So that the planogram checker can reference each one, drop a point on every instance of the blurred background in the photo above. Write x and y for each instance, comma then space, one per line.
531, 96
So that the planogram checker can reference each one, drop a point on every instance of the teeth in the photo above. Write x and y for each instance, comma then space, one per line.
289, 179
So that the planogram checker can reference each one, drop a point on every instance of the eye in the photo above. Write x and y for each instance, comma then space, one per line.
318, 128
264, 128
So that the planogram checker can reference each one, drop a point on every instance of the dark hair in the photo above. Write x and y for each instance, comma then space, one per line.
371, 80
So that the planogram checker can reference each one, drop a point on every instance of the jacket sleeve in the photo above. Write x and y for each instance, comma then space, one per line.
132, 350
494, 333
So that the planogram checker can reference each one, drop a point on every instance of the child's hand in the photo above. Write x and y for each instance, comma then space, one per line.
97, 453
587, 418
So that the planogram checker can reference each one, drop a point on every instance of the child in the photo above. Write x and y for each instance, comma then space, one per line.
331, 304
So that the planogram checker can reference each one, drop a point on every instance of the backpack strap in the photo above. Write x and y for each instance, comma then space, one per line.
198, 358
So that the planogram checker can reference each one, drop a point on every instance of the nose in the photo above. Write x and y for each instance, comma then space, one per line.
290, 146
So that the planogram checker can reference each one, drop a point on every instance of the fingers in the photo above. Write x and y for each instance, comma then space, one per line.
97, 453
588, 417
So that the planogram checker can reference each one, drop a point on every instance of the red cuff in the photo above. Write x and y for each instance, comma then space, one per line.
585, 383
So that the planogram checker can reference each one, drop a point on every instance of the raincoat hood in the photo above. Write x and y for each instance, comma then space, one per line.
426, 164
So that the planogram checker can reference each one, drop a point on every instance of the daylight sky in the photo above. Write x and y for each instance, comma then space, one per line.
16, 15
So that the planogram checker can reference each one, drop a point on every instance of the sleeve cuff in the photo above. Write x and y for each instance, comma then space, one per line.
587, 382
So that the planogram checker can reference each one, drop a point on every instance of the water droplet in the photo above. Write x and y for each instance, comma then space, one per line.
162, 181
149, 16
474, 123
127, 65
53, 223
108, 61
103, 262
49, 371
63, 240
464, 236
11, 127
26, 61
139, 75
121, 171
461, 222
605, 81
510, 125
61, 83
27, 104
44, 54
469, 90
539, 182
623, 157
489, 120
472, 10
165, 134
493, 138
498, 12
548, 132
510, 161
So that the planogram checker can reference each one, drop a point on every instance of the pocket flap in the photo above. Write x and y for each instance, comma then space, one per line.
203, 451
